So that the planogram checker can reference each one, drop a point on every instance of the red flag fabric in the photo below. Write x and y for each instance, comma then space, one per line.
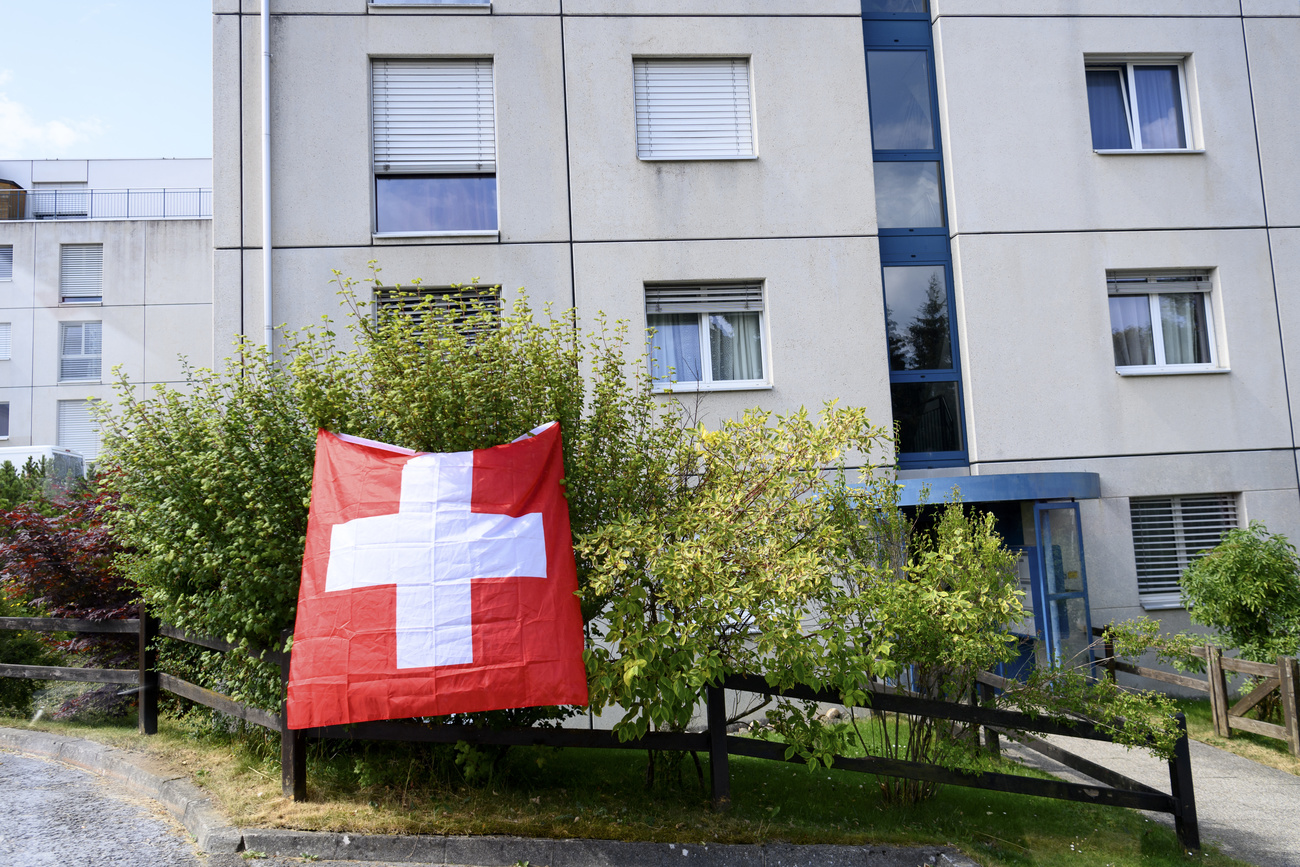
435, 583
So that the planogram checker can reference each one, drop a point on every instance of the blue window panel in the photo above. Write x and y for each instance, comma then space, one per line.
908, 195
1108, 109
898, 88
894, 7
435, 203
916, 318
928, 416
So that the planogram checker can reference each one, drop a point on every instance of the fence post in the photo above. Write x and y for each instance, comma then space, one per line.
1288, 671
719, 767
1180, 785
148, 680
1218, 691
293, 743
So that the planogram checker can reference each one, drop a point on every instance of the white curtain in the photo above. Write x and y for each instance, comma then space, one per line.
1130, 328
735, 346
675, 347
1182, 325
1160, 106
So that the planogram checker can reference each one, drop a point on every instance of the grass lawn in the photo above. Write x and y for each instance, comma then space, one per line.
1257, 748
537, 791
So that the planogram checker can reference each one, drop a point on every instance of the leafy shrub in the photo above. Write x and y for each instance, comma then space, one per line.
1247, 588
18, 486
216, 478
19, 648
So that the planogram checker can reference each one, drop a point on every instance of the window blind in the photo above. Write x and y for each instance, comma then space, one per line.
1168, 534
81, 349
692, 108
433, 116
77, 429
709, 298
455, 303
1120, 282
81, 272
6, 262
6, 342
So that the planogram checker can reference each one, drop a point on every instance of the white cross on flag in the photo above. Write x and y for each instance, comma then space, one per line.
435, 583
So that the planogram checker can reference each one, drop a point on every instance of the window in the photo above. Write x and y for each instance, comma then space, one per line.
81, 348
1161, 322
6, 340
472, 309
4, 420
81, 273
1137, 106
1168, 534
706, 336
434, 147
693, 108
6, 261
77, 428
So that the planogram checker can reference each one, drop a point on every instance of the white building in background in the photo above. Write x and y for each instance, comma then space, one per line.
1056, 243
103, 263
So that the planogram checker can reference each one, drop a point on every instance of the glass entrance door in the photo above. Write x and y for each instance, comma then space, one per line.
1061, 605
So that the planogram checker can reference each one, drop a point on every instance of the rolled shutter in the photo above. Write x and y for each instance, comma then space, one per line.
6, 341
6, 262
1145, 283
77, 428
81, 272
1169, 533
709, 298
692, 108
433, 116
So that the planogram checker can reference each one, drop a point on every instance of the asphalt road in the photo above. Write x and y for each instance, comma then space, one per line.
52, 815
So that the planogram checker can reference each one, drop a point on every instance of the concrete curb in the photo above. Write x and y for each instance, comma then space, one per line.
195, 811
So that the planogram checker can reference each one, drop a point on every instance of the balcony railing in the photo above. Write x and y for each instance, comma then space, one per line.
88, 204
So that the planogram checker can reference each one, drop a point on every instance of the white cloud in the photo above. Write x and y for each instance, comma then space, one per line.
23, 136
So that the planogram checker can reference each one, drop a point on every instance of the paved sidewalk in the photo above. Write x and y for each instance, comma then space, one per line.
1251, 811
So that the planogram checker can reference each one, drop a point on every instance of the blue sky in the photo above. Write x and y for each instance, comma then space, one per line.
104, 79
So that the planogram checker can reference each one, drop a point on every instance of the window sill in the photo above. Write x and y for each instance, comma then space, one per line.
96, 302
713, 158
1170, 370
81, 382
1164, 602
699, 387
1131, 151
377, 237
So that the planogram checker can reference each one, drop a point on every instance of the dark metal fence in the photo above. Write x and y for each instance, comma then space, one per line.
1111, 788
88, 204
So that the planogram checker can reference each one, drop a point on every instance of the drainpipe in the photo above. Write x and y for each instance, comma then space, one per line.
267, 307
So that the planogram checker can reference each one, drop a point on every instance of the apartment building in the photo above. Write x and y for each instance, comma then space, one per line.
1052, 241
103, 264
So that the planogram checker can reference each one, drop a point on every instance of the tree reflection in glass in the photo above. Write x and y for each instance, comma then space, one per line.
916, 318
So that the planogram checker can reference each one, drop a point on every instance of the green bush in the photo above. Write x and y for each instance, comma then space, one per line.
20, 648
1247, 589
215, 478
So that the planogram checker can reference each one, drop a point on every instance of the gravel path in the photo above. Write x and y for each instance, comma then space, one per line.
51, 814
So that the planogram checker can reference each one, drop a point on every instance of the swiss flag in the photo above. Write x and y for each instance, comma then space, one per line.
435, 583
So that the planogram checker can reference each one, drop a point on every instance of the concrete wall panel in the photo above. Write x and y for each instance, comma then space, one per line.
1014, 108
1276, 88
1038, 358
813, 172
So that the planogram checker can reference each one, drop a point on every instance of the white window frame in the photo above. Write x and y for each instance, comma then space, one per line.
1186, 516
702, 311
655, 74
378, 171
64, 358
6, 262
4, 428
1125, 66
1182, 282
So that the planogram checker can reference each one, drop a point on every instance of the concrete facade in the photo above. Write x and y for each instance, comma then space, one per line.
1036, 218
156, 301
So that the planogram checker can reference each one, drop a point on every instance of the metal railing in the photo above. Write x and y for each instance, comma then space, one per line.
90, 204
